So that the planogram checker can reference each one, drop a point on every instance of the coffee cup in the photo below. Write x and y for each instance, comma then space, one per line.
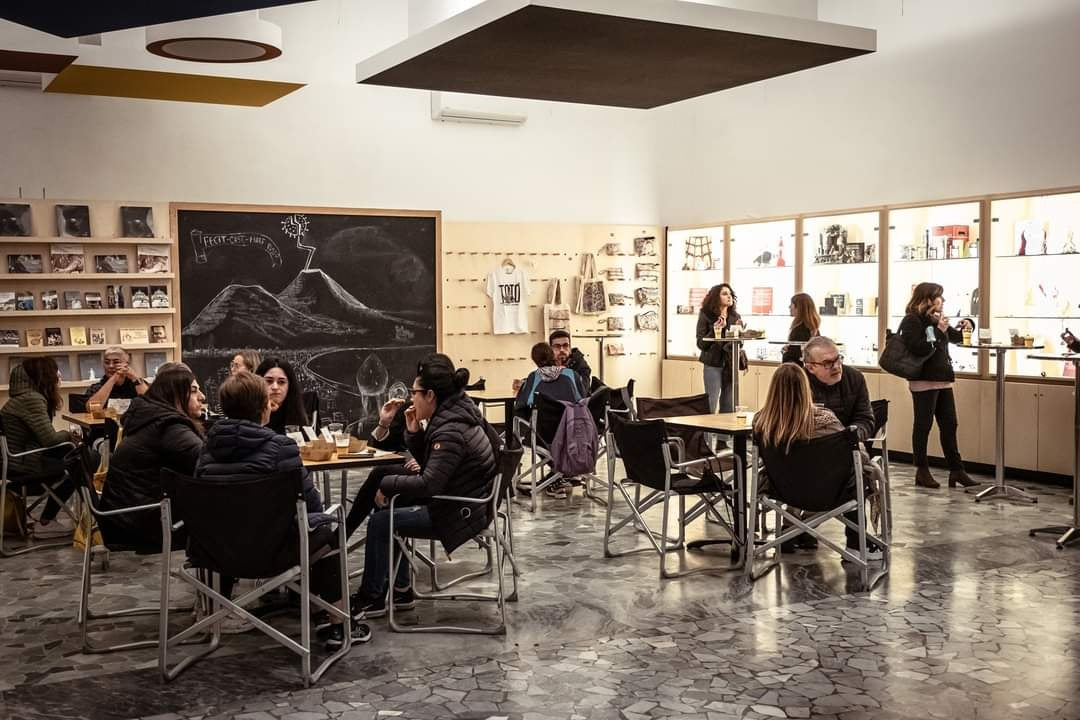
96, 410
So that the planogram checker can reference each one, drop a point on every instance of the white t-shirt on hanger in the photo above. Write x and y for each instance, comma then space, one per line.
508, 288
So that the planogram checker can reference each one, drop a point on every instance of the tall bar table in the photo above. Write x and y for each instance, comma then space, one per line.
999, 488
1068, 533
736, 343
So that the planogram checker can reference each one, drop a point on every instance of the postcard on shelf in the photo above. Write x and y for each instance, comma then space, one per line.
159, 296
761, 301
23, 264
73, 300
152, 361
157, 334
134, 336
67, 258
90, 366
34, 337
97, 336
24, 301
140, 297
7, 302
15, 220
111, 263
153, 258
114, 296
50, 300
73, 221
93, 301
64, 366
137, 222
53, 337
78, 335
9, 338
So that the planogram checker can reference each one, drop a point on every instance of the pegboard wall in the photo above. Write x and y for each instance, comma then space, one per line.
547, 251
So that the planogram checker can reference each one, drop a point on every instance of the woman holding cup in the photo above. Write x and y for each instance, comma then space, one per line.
718, 318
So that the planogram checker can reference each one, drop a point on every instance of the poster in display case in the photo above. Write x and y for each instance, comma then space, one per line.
695, 263
763, 276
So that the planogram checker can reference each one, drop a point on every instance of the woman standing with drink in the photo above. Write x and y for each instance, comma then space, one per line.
717, 319
926, 333
805, 324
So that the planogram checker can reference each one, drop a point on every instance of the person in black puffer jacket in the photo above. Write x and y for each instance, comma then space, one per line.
926, 333
458, 454
161, 430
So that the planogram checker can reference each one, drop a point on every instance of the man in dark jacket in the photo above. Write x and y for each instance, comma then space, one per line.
839, 388
568, 357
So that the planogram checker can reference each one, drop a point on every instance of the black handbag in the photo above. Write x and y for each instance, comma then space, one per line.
897, 360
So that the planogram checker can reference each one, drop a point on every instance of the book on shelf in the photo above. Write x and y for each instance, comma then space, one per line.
28, 263
67, 258
24, 301
53, 337
9, 338
73, 221
134, 336
140, 297
111, 263
90, 366
93, 301
157, 334
15, 219
64, 366
73, 300
159, 296
137, 222
152, 361
78, 335
97, 336
7, 302
50, 300
153, 258
114, 296
34, 338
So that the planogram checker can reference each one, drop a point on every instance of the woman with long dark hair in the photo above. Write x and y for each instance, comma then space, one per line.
926, 332
162, 429
717, 317
805, 324
286, 395
28, 425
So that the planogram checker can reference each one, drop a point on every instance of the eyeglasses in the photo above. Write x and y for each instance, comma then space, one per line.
828, 364
413, 391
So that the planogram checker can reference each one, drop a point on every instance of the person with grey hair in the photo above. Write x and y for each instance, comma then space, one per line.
839, 388
120, 381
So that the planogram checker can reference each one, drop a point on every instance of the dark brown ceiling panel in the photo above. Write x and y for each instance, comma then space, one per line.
34, 62
548, 53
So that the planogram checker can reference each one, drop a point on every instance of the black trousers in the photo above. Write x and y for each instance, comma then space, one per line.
928, 406
364, 502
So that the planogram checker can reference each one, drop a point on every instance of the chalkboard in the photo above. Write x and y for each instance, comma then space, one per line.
349, 298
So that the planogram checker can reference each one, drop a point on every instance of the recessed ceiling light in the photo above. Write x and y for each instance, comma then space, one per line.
238, 38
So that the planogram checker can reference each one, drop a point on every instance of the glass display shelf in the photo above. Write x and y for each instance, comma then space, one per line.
1034, 272
763, 275
695, 262
939, 244
840, 271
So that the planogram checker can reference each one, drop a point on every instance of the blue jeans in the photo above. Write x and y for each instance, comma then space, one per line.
409, 521
719, 390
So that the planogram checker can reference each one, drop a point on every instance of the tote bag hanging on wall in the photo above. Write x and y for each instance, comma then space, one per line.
591, 298
556, 312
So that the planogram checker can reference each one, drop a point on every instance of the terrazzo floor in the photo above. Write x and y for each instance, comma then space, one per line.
975, 620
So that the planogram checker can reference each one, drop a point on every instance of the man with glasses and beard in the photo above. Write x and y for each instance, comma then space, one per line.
839, 388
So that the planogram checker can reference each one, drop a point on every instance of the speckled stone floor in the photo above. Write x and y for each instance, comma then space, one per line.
976, 620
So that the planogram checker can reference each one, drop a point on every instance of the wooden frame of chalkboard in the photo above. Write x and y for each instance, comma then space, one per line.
351, 297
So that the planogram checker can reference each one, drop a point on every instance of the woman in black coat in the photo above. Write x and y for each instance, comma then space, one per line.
161, 430
717, 317
805, 324
458, 455
926, 333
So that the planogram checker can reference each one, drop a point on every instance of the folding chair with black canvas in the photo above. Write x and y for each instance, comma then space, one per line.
878, 447
817, 477
21, 495
269, 539
645, 448
496, 541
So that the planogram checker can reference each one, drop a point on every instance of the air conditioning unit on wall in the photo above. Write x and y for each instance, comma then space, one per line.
464, 108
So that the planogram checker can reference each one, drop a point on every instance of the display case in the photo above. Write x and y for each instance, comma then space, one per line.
695, 262
763, 276
840, 271
1034, 272
939, 244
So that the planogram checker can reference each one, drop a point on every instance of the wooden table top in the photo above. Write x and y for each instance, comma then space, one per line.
492, 395
85, 419
719, 422
335, 463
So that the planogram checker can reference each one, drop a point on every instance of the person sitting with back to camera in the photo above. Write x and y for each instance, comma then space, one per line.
567, 357
120, 381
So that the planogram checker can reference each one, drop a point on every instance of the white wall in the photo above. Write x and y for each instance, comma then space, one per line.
963, 97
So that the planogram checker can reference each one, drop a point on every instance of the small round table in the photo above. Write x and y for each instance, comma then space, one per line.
1068, 534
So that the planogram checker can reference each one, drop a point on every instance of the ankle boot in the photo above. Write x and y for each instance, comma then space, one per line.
923, 478
959, 477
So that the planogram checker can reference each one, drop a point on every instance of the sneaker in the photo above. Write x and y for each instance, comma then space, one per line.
234, 625
873, 552
365, 608
335, 638
556, 490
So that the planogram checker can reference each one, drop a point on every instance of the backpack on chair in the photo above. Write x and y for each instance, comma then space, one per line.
573, 450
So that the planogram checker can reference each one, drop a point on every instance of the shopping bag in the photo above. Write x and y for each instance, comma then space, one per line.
591, 298
556, 312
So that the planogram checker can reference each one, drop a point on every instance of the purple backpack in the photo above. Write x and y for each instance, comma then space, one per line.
573, 451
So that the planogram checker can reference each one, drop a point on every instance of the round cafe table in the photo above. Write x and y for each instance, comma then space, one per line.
1068, 533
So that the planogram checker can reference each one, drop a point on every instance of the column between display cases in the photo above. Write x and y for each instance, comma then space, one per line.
883, 277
